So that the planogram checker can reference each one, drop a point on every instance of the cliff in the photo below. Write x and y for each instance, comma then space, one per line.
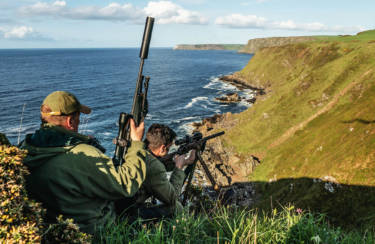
255, 45
209, 47
310, 139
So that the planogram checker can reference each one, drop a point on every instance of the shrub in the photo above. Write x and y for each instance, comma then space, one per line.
21, 219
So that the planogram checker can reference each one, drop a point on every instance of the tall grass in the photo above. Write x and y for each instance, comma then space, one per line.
231, 225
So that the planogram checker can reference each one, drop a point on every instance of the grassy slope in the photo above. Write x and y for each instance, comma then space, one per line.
317, 121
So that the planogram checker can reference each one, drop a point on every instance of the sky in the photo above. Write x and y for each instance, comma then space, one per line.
117, 23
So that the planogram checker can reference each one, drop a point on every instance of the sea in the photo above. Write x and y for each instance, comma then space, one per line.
182, 90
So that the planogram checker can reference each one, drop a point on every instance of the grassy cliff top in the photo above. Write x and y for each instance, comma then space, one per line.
316, 123
254, 45
361, 36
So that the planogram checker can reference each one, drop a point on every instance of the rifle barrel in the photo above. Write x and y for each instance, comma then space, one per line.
213, 135
146, 37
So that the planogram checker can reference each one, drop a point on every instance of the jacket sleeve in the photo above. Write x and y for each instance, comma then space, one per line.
132, 172
157, 183
99, 177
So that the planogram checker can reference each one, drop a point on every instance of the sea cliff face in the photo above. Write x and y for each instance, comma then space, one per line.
254, 45
310, 138
209, 47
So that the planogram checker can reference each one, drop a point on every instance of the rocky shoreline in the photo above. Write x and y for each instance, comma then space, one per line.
241, 83
229, 169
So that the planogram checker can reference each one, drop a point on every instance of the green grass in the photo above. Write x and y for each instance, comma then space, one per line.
317, 120
362, 36
230, 225
301, 81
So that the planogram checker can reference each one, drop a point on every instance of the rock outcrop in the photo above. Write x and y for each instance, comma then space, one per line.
229, 98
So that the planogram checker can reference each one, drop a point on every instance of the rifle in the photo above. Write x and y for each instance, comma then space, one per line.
140, 106
197, 142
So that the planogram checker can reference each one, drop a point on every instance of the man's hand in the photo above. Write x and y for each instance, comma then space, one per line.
183, 160
136, 133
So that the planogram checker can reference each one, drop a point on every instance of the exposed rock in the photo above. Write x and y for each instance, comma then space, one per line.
229, 98
207, 122
239, 194
225, 165
241, 83
229, 169
251, 100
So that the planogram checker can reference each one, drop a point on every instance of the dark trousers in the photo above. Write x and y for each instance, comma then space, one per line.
126, 208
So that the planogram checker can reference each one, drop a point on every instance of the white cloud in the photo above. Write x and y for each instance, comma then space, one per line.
41, 8
21, 33
18, 32
113, 11
165, 12
241, 21
252, 21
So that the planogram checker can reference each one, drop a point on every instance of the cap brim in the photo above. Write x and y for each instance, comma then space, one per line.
84, 109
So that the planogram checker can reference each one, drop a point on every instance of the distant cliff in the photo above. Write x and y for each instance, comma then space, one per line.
254, 45
209, 47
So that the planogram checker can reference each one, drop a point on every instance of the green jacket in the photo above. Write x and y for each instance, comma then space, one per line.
73, 178
157, 184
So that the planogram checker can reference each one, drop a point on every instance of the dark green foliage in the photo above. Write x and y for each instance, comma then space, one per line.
4, 140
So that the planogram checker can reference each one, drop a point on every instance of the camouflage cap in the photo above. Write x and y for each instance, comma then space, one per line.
64, 103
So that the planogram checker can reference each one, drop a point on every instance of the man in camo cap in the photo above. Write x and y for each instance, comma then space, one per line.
69, 172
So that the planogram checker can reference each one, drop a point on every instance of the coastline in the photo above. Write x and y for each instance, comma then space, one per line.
229, 169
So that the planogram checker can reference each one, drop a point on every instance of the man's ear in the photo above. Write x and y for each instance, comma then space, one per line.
163, 148
69, 122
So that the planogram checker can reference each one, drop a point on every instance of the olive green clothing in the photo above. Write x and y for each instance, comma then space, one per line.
157, 185
73, 178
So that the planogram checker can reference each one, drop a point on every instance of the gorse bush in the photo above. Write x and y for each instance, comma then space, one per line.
65, 231
21, 219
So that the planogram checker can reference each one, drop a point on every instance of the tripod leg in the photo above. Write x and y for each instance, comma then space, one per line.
187, 188
208, 174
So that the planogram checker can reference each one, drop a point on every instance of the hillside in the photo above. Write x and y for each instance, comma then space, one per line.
314, 129
208, 47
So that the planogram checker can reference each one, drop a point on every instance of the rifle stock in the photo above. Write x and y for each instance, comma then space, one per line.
139, 106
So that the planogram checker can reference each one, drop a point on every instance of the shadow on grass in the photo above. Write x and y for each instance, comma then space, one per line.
362, 121
344, 205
